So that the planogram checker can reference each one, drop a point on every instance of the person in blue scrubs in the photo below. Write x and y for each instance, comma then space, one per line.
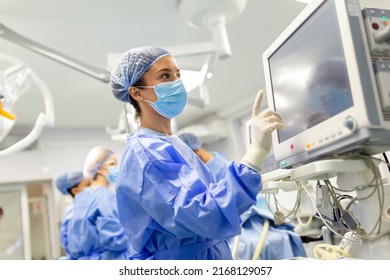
214, 161
69, 183
168, 201
94, 230
281, 242
262, 238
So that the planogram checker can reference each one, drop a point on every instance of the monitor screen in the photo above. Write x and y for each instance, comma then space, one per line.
309, 77
319, 75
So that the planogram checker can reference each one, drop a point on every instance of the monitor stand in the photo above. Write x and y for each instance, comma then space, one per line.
365, 216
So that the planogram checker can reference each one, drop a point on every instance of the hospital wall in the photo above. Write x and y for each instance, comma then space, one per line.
55, 151
59, 149
32, 206
33, 170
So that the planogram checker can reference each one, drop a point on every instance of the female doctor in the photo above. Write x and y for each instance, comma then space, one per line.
168, 202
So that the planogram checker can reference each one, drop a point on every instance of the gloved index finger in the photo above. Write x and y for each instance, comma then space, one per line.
257, 104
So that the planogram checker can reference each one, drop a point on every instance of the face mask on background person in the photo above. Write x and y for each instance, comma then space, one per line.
112, 177
171, 98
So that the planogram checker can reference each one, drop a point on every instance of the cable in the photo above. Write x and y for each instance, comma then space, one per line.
309, 220
387, 161
280, 216
326, 223
260, 244
343, 214
235, 246
329, 252
378, 186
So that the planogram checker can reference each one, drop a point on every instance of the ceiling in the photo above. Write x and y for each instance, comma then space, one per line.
89, 30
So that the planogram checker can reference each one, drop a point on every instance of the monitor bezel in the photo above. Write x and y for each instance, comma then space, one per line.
366, 110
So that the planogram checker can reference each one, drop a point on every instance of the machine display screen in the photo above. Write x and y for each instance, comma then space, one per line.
308, 74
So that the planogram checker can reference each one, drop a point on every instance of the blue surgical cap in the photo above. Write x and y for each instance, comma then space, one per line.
95, 160
191, 140
68, 180
130, 68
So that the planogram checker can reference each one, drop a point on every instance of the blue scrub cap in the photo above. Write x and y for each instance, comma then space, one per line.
95, 160
130, 68
191, 140
68, 180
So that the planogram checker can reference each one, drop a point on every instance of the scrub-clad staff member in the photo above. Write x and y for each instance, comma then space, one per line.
94, 231
69, 183
214, 161
168, 202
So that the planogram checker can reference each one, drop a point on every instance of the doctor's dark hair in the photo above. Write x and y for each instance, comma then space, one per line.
134, 102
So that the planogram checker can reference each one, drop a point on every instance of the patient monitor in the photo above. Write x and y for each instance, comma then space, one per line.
330, 83
328, 74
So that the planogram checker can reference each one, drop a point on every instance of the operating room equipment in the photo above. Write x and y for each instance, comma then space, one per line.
337, 134
6, 114
209, 15
199, 13
261, 238
10, 35
353, 205
340, 82
14, 82
17, 79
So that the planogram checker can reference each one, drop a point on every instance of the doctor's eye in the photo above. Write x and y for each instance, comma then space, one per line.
111, 163
165, 76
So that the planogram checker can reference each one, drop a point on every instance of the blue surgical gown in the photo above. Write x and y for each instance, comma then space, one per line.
281, 241
169, 204
94, 231
217, 166
64, 229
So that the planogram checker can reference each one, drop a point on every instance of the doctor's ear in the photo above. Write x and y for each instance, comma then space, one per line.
135, 93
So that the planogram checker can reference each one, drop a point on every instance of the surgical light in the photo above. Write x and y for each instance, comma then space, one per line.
14, 82
6, 114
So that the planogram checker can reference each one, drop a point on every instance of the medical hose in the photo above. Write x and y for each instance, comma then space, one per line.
260, 244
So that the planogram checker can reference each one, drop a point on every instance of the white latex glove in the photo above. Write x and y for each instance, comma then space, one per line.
262, 126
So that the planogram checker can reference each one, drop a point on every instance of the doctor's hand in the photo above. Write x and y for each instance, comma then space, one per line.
264, 123
262, 126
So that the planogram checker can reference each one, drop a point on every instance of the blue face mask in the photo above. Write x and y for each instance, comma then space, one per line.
171, 98
113, 176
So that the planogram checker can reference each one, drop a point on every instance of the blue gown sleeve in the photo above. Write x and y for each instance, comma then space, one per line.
110, 231
180, 200
217, 166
